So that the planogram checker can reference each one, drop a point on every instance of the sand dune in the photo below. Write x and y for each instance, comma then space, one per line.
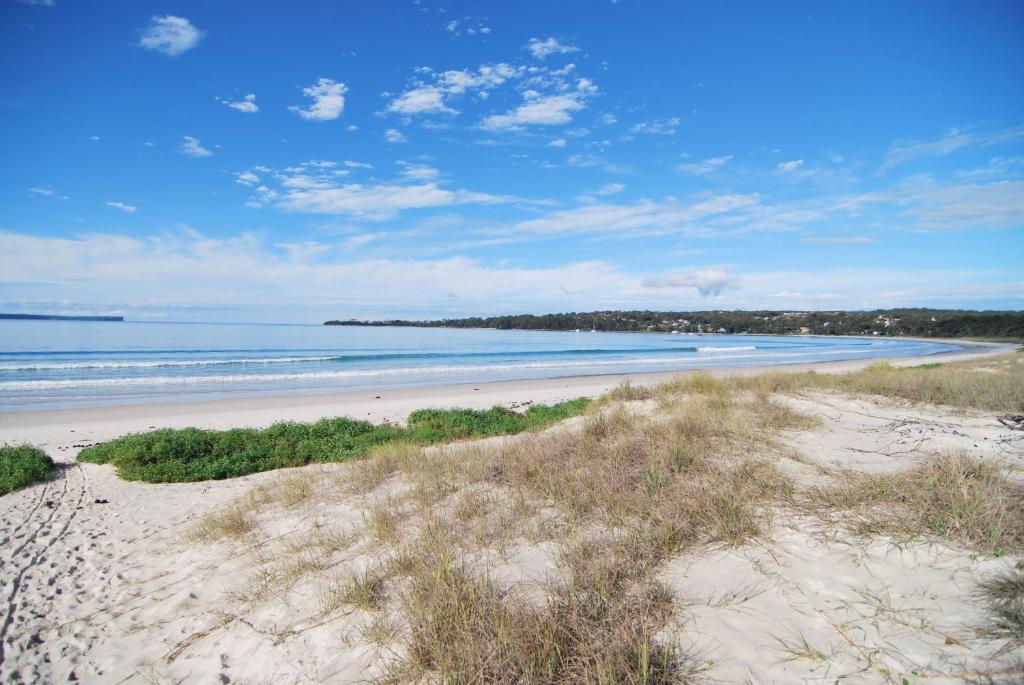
103, 583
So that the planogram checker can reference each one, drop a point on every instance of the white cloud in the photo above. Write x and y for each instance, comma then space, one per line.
953, 140
424, 100
429, 98
557, 142
393, 135
418, 172
328, 101
247, 178
708, 282
192, 147
657, 127
246, 104
549, 46
314, 188
170, 35
243, 272
379, 201
39, 3
704, 167
549, 110
792, 165
467, 26
130, 209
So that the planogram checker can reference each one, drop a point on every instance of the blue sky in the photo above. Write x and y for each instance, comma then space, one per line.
238, 161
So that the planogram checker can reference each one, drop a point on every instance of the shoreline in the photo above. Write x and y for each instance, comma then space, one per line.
61, 429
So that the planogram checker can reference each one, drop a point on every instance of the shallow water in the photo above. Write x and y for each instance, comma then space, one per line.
51, 364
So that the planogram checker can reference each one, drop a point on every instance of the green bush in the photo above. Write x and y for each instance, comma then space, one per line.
22, 465
191, 454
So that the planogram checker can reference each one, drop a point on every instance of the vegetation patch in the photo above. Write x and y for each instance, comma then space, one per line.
596, 628
991, 384
953, 496
22, 465
1005, 597
191, 454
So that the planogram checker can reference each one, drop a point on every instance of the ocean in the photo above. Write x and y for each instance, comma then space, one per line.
54, 364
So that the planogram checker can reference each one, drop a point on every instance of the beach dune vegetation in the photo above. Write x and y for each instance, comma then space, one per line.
192, 454
22, 465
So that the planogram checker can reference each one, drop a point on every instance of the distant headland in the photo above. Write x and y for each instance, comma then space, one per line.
57, 317
922, 323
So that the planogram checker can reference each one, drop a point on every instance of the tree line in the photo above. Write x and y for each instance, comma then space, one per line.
926, 323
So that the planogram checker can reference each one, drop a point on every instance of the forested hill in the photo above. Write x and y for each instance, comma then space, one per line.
932, 323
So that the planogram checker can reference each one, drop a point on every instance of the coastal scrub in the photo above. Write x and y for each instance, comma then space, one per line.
22, 465
191, 454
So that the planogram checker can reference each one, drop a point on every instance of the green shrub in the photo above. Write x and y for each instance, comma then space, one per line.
191, 454
22, 465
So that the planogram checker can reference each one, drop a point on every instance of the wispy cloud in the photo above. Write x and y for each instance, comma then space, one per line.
906, 151
790, 166
47, 191
610, 189
393, 135
657, 127
704, 167
839, 240
130, 209
328, 101
242, 269
170, 35
192, 147
319, 187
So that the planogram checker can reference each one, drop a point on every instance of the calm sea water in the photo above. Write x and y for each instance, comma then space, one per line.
50, 364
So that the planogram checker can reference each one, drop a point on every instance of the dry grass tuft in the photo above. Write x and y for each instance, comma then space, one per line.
953, 496
366, 590
1005, 597
232, 522
992, 383
594, 629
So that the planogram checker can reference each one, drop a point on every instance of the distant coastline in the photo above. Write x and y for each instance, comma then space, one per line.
57, 317
914, 323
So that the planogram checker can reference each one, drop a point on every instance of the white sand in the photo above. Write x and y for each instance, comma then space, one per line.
101, 592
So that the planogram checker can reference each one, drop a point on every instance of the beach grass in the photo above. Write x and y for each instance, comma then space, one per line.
22, 465
993, 384
605, 506
1004, 595
953, 496
192, 454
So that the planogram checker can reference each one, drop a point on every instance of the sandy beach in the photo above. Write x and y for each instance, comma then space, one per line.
98, 586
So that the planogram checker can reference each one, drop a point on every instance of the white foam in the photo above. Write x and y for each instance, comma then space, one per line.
60, 366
